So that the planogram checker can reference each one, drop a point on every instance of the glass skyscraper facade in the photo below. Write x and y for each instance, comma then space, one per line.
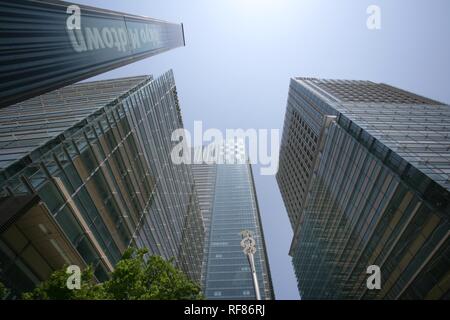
80, 42
229, 205
85, 172
364, 174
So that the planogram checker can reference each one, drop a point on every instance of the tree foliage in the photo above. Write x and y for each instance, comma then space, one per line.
134, 278
3, 291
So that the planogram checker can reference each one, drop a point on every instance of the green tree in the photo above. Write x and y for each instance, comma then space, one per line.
134, 278
55, 288
3, 291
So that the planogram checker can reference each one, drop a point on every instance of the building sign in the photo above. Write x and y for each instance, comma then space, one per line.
46, 44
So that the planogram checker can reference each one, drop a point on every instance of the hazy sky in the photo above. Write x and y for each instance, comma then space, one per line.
240, 54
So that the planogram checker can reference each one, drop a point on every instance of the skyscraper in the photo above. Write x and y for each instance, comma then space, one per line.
364, 175
229, 205
85, 172
80, 42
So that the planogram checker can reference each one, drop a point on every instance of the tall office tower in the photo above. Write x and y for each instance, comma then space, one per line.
80, 42
205, 179
86, 172
364, 174
229, 205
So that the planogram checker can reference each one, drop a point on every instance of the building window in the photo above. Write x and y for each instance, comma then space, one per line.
217, 293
